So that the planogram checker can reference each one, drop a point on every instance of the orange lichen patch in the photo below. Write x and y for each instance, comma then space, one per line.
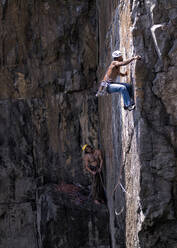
139, 84
6, 84
139, 93
68, 160
67, 188
72, 191
20, 83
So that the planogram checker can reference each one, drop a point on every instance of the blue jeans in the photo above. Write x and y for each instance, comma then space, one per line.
123, 88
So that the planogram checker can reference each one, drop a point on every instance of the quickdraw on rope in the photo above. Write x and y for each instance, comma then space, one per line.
123, 189
119, 213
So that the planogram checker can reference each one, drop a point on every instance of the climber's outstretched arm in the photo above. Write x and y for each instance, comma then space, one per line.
128, 61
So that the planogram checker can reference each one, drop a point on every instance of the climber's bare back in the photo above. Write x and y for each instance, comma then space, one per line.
112, 72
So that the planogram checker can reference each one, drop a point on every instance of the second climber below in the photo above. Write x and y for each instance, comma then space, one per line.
108, 83
93, 164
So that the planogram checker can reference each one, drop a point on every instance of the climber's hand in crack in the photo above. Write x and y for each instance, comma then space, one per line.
138, 57
114, 68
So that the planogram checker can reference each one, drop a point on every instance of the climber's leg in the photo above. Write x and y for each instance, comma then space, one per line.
121, 87
129, 88
130, 91
95, 187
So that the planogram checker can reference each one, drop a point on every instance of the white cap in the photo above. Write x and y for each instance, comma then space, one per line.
116, 54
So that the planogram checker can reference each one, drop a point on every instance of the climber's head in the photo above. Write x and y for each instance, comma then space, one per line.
88, 149
117, 55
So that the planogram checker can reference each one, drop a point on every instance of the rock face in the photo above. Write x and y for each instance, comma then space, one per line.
48, 62
52, 53
142, 142
70, 220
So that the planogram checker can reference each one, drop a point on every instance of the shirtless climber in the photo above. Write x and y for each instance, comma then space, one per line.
93, 164
113, 71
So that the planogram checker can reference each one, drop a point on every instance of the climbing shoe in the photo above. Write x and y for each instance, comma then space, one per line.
130, 108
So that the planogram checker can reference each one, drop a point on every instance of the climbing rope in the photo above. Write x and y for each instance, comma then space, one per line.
119, 213
102, 182
123, 189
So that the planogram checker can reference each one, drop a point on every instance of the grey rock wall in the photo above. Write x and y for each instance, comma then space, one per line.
70, 220
52, 53
48, 60
159, 111
142, 142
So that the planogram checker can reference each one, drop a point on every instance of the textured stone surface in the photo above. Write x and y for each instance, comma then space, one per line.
143, 141
48, 64
70, 220
48, 61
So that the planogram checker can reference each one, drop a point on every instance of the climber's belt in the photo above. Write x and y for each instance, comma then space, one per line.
104, 84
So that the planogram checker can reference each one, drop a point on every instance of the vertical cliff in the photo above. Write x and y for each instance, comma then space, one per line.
52, 55
143, 142
48, 62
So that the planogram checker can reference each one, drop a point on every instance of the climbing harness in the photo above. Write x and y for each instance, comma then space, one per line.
103, 91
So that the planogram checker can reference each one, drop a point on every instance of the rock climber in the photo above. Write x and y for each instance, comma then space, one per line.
108, 84
93, 163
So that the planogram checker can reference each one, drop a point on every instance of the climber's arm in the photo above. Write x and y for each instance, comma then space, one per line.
101, 160
128, 61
